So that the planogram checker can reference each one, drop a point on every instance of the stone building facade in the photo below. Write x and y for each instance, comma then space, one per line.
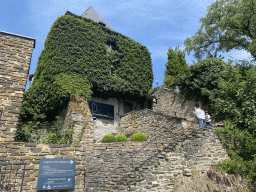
15, 57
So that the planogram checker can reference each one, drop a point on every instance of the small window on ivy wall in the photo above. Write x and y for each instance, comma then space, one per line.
112, 69
109, 47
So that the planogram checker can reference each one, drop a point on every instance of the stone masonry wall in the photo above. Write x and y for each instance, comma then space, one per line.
166, 113
101, 160
195, 152
78, 111
31, 153
109, 166
169, 103
15, 57
148, 122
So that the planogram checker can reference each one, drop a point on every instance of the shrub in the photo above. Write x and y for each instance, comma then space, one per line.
36, 132
241, 145
121, 138
108, 138
201, 81
139, 137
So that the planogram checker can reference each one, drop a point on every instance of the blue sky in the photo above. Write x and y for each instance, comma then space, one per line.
157, 24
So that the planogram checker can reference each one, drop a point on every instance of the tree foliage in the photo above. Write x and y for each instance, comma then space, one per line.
230, 91
241, 145
229, 24
202, 80
176, 66
237, 97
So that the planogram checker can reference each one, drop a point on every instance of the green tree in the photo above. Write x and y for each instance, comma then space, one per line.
237, 102
229, 24
237, 97
176, 66
202, 80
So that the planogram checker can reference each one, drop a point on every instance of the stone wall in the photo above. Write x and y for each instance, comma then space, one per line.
170, 103
101, 161
166, 112
110, 168
78, 111
15, 58
31, 153
195, 152
148, 122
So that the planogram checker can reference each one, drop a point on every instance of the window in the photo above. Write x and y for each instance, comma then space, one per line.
101, 109
108, 46
127, 106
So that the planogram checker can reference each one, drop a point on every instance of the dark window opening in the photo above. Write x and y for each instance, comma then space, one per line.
127, 106
101, 109
100, 22
111, 45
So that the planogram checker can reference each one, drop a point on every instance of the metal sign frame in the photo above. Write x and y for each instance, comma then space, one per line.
56, 174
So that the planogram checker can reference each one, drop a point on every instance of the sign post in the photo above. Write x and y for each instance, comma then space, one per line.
56, 174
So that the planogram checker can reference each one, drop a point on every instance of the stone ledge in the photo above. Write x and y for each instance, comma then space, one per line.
25, 37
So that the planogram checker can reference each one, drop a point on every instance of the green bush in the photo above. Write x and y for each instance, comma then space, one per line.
201, 81
138, 137
121, 138
36, 132
108, 138
241, 145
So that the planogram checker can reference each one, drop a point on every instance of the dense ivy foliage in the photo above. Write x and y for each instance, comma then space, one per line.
44, 98
76, 47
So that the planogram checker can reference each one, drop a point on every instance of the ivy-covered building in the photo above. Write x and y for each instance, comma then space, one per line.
83, 55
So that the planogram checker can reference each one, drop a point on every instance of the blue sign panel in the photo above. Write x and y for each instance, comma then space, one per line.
56, 174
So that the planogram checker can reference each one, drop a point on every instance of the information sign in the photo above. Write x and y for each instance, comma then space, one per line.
56, 174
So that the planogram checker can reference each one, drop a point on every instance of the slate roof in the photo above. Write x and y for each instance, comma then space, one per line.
90, 13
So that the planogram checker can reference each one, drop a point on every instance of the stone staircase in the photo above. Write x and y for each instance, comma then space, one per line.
164, 175
201, 146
